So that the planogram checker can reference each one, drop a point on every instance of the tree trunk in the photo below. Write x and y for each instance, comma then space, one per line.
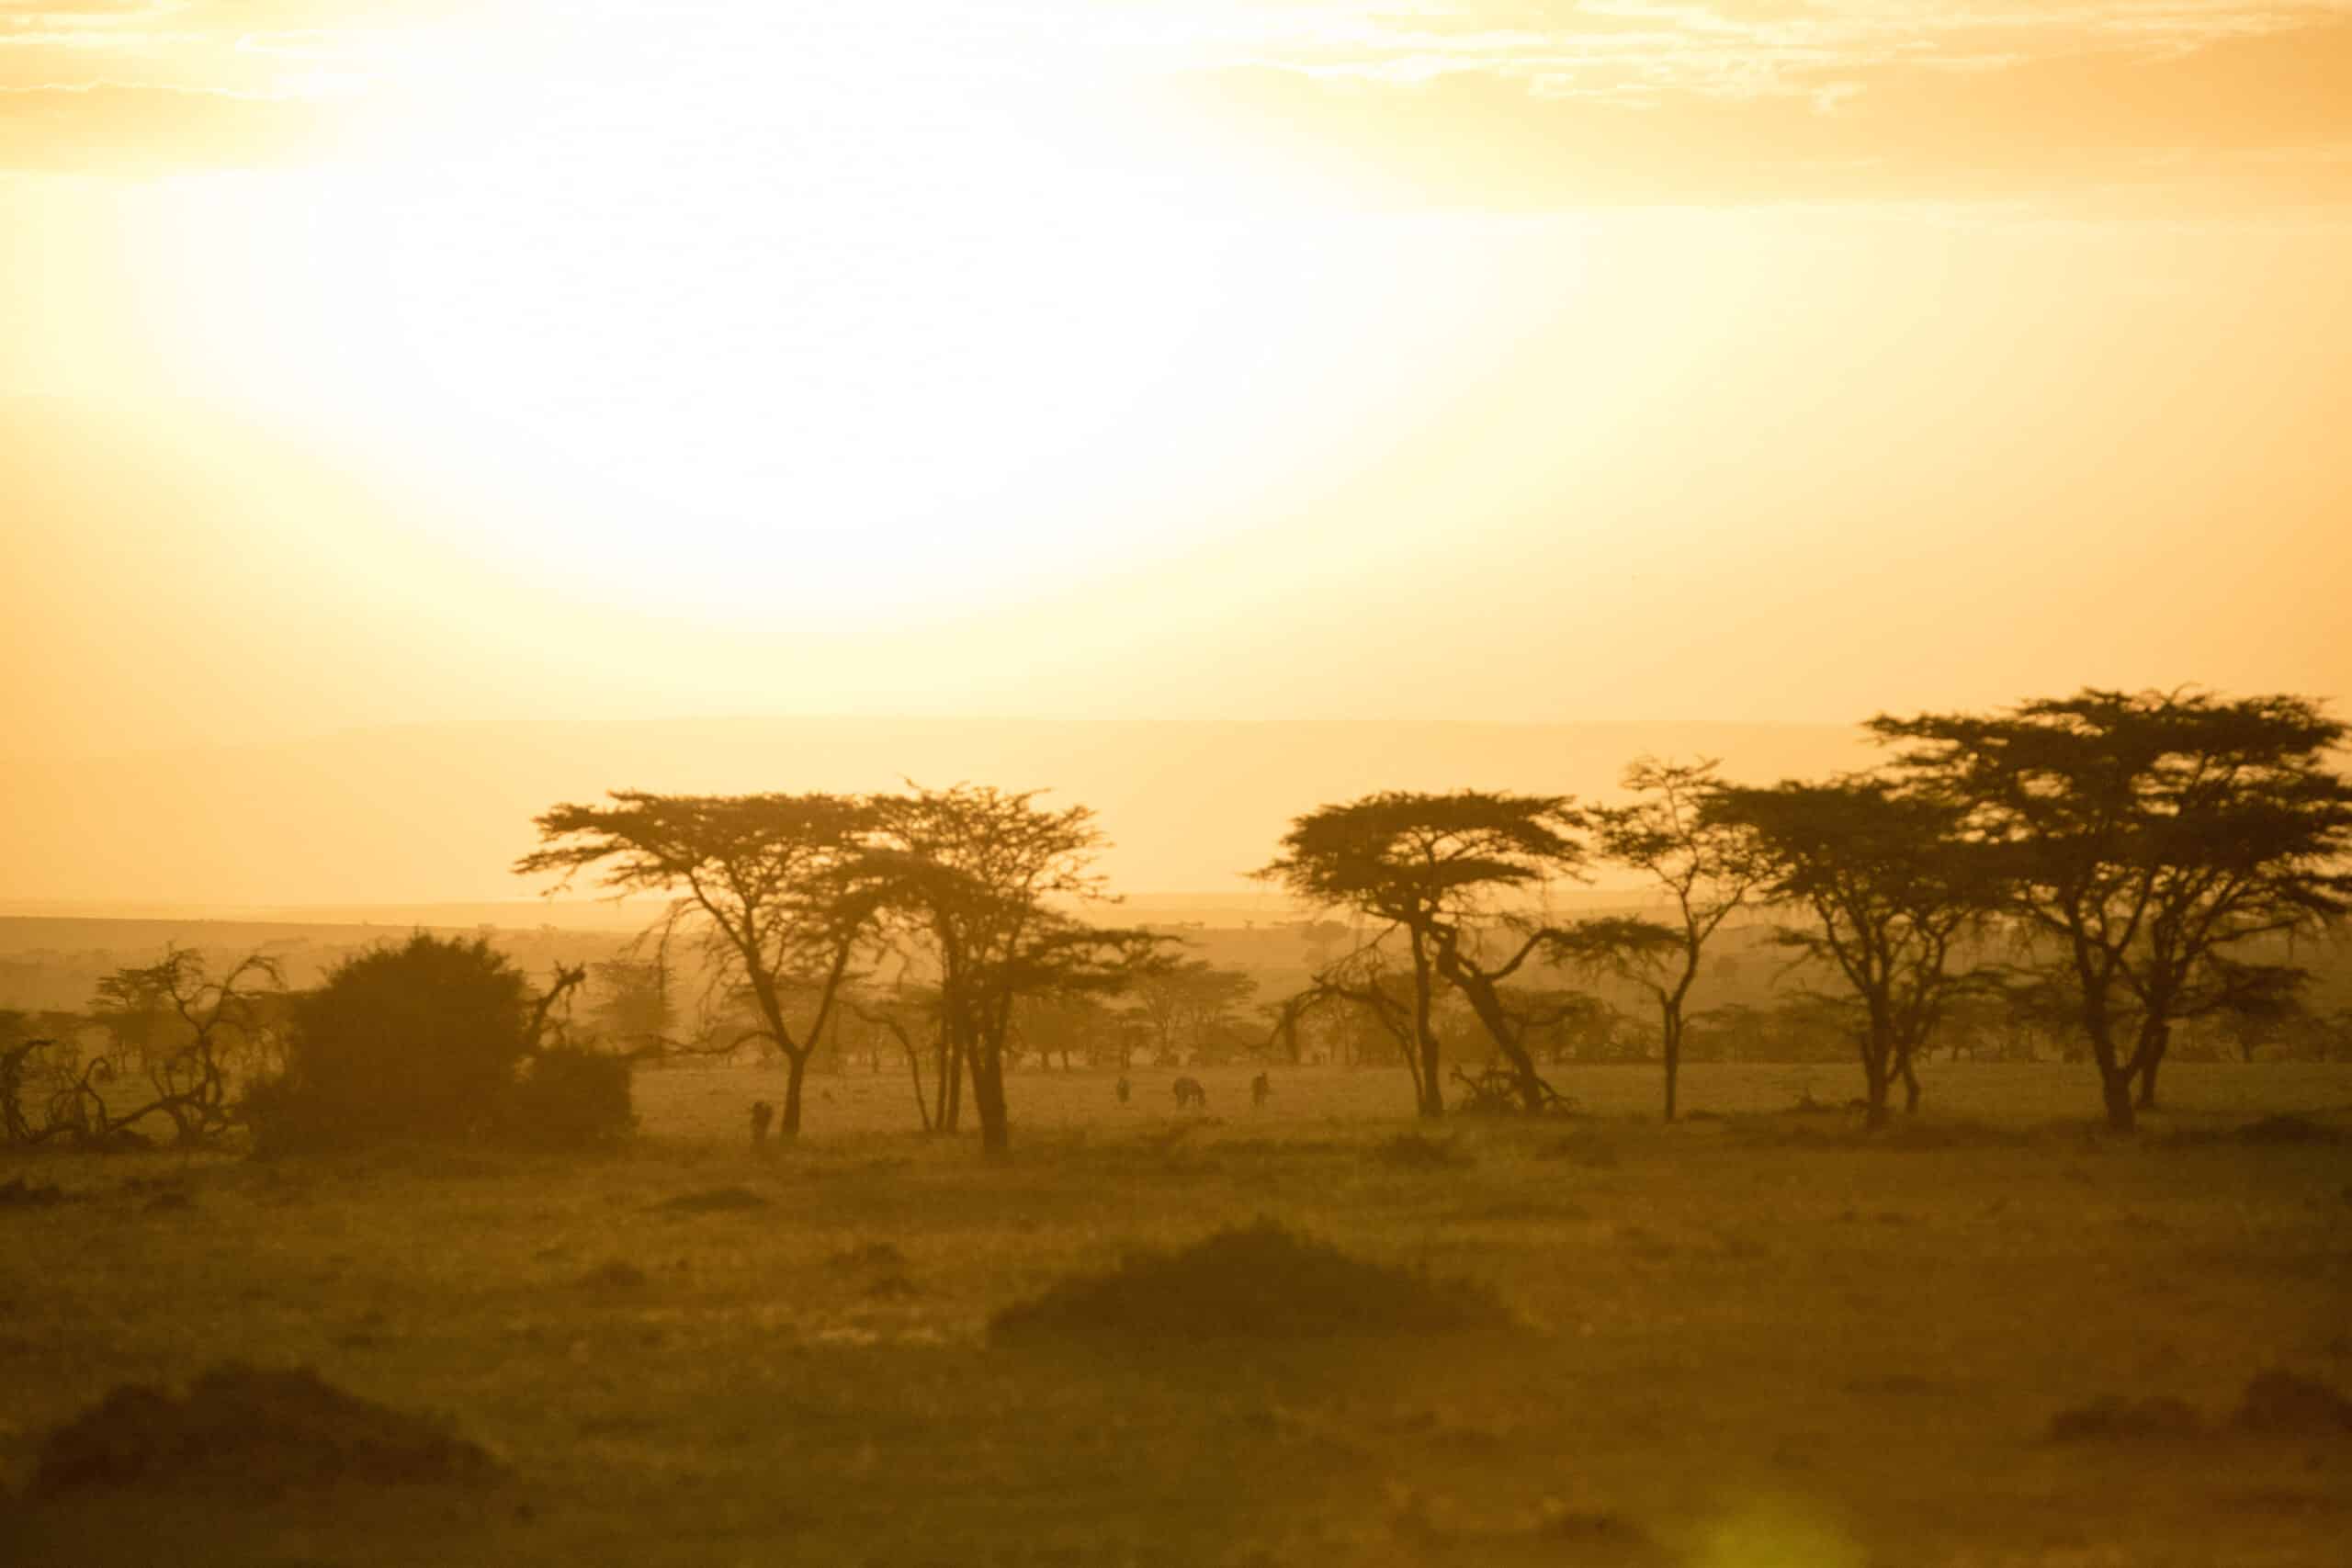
941, 1071
1877, 1080
988, 1098
914, 1071
1488, 1005
1432, 1093
1671, 1048
796, 1066
2116, 1085
1910, 1086
2151, 1057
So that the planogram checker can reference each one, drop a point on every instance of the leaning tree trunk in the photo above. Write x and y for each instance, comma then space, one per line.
1425, 1041
1488, 1006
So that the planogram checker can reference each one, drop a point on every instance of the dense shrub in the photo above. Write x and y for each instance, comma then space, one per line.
568, 1099
431, 1040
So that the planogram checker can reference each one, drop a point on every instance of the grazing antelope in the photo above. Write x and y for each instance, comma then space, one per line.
1262, 1089
1125, 1089
763, 1114
1190, 1092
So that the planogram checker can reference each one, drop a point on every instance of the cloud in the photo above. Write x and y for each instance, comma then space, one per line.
1541, 129
1500, 103
112, 128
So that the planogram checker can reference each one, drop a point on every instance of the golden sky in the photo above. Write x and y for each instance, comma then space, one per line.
381, 360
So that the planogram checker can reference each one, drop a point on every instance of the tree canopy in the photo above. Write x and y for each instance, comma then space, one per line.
1889, 885
2148, 835
773, 879
1442, 871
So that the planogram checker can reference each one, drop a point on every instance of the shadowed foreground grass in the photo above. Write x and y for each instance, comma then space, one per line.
1757, 1339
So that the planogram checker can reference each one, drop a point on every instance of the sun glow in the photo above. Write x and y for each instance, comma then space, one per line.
729, 330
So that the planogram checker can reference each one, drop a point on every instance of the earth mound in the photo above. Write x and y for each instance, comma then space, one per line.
245, 1430
2285, 1129
2113, 1418
2282, 1401
1259, 1282
717, 1201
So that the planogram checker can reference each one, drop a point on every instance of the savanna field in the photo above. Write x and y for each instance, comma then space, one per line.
1757, 1338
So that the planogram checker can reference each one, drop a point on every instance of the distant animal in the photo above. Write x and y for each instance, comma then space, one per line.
1125, 1089
763, 1116
1190, 1092
1262, 1089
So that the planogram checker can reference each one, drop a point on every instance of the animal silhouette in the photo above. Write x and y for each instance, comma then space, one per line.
1190, 1092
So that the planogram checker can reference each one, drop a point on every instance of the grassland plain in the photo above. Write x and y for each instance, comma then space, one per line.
1755, 1338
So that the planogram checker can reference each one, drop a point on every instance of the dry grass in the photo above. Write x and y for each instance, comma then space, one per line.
1734, 1350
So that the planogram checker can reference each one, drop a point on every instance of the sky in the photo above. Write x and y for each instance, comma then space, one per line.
388, 361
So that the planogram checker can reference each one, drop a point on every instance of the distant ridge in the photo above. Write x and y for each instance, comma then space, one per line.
433, 814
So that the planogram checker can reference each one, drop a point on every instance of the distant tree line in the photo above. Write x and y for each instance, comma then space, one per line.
2135, 859
2132, 874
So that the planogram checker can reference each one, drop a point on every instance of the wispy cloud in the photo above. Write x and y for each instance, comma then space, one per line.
1492, 102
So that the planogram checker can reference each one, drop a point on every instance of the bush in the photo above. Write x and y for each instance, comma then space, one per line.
569, 1099
431, 1040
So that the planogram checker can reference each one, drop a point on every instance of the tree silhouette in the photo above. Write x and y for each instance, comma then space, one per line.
1437, 869
968, 874
2145, 835
1707, 866
1890, 886
768, 877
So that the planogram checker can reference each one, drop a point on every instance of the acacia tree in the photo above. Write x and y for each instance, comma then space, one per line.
1437, 869
1707, 866
1190, 1000
966, 874
2146, 837
1891, 888
770, 880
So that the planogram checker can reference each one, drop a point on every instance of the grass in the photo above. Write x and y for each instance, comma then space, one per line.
1735, 1345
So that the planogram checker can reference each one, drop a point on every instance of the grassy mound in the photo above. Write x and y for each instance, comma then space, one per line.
1410, 1151
2284, 1403
2285, 1129
18, 1193
1262, 1282
716, 1200
244, 1430
2113, 1418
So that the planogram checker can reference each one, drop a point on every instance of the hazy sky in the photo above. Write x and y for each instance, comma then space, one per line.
373, 360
